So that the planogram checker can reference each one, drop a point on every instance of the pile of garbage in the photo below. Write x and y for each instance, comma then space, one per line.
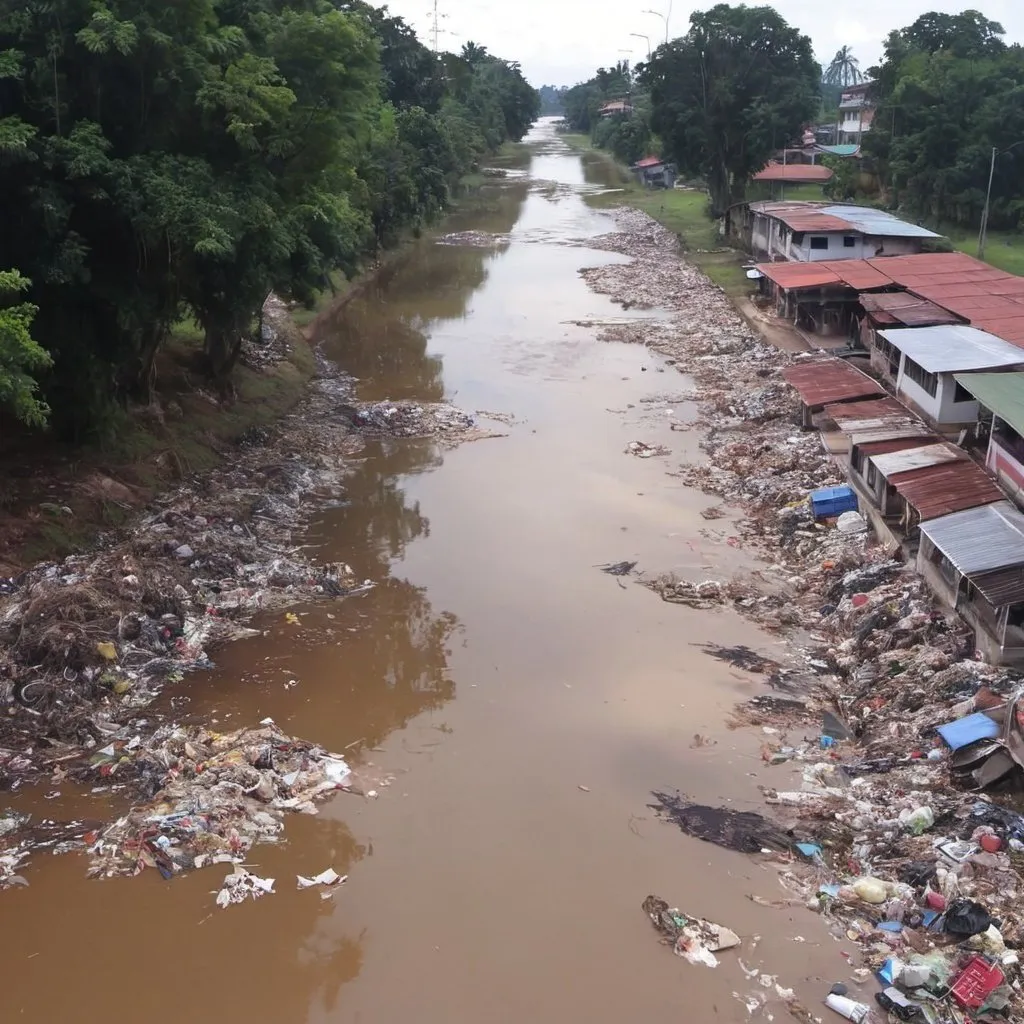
477, 239
444, 422
904, 831
214, 796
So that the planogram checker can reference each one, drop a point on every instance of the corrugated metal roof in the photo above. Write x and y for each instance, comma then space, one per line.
905, 308
986, 545
896, 444
810, 173
862, 434
873, 409
917, 458
649, 161
1001, 393
951, 347
949, 487
822, 381
871, 221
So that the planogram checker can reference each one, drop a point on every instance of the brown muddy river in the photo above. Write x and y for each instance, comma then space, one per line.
492, 673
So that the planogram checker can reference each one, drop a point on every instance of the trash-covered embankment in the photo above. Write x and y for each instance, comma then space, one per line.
87, 643
902, 827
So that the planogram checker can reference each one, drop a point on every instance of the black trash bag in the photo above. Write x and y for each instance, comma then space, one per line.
918, 872
965, 917
744, 831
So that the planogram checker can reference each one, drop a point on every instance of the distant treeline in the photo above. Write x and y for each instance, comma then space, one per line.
165, 160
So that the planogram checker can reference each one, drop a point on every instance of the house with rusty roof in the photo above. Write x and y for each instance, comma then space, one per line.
930, 361
828, 296
973, 560
813, 232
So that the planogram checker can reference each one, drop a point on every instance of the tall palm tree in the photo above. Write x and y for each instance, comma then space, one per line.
843, 70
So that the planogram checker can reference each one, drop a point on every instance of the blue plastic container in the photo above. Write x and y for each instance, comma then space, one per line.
833, 501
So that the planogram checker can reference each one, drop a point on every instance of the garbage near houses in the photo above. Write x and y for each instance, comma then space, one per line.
910, 843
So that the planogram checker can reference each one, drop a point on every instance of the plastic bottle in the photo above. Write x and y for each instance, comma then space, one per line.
847, 1007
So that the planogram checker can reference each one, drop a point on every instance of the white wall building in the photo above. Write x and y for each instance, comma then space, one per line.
929, 359
810, 232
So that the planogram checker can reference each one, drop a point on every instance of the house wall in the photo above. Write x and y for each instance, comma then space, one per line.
1008, 470
941, 409
865, 247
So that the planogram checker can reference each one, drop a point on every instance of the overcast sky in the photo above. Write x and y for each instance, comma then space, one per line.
562, 42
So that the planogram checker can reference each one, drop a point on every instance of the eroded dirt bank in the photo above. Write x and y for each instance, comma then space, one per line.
506, 708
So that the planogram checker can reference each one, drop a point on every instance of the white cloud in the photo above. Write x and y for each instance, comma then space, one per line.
563, 41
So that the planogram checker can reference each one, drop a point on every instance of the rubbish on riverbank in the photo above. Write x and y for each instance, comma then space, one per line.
214, 797
618, 568
694, 939
242, 885
745, 831
477, 239
865, 634
412, 420
330, 877
740, 656
847, 1007
646, 451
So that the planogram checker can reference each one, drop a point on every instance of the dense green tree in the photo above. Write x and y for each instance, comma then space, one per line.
948, 92
163, 160
725, 96
552, 99
21, 357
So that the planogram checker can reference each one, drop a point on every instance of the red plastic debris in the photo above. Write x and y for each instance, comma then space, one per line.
976, 982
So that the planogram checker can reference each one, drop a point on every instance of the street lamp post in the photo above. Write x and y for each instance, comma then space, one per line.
647, 39
983, 233
667, 18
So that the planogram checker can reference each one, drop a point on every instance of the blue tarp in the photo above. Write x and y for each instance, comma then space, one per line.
968, 730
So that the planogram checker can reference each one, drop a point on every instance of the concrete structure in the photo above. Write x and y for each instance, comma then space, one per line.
930, 358
974, 562
813, 232
654, 172
1002, 396
856, 114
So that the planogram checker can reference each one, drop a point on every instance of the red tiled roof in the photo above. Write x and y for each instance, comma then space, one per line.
905, 308
808, 173
947, 487
822, 381
649, 161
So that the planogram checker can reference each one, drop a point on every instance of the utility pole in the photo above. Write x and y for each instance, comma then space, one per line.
646, 39
983, 233
667, 18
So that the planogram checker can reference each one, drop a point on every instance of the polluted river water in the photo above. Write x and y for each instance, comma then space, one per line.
517, 705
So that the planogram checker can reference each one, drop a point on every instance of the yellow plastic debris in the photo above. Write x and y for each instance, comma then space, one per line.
123, 686
291, 618
105, 649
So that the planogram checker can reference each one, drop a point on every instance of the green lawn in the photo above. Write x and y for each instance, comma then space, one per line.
1003, 249
683, 211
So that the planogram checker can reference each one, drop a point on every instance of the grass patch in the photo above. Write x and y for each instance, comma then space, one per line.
684, 212
1003, 249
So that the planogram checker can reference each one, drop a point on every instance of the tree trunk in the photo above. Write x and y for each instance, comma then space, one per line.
222, 347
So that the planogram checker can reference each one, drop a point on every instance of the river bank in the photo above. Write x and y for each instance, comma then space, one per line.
873, 667
507, 709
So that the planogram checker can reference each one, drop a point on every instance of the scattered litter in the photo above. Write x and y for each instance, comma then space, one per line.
694, 939
618, 568
242, 885
330, 877
646, 451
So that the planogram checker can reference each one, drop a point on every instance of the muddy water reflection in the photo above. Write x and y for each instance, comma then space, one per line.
492, 673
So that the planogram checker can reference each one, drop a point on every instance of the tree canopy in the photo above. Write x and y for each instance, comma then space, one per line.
843, 69
730, 92
949, 91
167, 160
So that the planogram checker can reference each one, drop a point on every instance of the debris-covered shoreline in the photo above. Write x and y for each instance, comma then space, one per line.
87, 643
913, 853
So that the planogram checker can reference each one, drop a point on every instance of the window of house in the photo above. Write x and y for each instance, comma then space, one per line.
798, 238
872, 474
819, 241
961, 394
849, 241
922, 378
